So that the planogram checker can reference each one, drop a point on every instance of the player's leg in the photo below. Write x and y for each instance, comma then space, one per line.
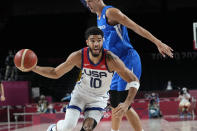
93, 112
131, 115
89, 124
7, 72
132, 61
70, 121
187, 106
72, 114
181, 106
92, 118
134, 119
68, 124
118, 97
181, 109
116, 121
114, 101
188, 109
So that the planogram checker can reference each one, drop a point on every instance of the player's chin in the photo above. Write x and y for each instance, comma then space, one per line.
95, 54
91, 10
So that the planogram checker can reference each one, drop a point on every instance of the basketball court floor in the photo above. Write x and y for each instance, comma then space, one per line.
170, 123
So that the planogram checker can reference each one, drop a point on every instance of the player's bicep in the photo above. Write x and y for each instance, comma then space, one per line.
116, 64
119, 66
123, 71
112, 61
116, 15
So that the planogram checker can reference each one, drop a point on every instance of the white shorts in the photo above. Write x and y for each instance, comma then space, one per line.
92, 106
184, 103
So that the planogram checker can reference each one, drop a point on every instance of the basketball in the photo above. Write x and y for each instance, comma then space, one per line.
25, 60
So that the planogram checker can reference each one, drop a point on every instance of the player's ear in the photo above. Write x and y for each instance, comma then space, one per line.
87, 42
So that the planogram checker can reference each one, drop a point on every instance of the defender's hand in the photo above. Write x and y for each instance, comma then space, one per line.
120, 110
164, 49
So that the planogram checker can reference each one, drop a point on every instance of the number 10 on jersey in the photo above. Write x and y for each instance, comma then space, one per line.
95, 82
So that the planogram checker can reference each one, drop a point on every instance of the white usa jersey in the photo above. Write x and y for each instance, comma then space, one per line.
95, 78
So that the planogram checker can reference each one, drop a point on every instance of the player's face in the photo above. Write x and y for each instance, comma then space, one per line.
92, 4
95, 43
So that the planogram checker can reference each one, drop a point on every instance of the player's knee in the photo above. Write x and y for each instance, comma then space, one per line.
68, 126
114, 105
63, 125
89, 124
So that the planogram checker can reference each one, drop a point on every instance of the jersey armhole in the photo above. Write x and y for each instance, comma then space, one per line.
107, 18
106, 62
82, 61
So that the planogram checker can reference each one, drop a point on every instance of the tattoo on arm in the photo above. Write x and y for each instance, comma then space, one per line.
111, 57
115, 64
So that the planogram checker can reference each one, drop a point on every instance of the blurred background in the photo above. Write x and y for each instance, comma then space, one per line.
54, 29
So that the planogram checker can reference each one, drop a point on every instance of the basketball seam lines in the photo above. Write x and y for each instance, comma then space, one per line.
23, 57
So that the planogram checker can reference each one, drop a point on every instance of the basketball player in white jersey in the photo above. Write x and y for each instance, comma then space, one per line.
90, 94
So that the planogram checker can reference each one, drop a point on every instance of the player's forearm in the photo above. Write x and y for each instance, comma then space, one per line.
46, 72
2, 90
140, 30
131, 95
146, 34
152, 38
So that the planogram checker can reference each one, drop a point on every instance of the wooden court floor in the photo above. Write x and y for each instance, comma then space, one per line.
164, 124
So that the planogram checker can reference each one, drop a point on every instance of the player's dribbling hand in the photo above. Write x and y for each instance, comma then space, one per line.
164, 49
120, 110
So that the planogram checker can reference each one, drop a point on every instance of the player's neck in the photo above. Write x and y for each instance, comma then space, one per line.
100, 9
94, 59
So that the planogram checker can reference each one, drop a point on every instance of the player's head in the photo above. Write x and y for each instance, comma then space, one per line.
185, 90
94, 40
92, 5
42, 97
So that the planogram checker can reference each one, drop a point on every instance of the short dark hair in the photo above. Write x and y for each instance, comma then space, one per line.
93, 31
152, 101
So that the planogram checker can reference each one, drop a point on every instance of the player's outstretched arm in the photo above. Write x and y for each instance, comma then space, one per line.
115, 64
115, 16
74, 59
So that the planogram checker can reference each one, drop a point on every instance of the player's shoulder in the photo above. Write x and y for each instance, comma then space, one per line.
113, 61
112, 10
78, 52
110, 55
76, 55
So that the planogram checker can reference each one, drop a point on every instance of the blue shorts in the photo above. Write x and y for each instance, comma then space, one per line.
133, 62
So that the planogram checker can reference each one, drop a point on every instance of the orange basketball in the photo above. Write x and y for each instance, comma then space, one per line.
25, 60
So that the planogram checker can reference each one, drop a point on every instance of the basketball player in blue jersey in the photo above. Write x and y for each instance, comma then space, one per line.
114, 24
90, 94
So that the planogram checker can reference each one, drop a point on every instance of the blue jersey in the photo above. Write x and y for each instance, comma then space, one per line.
116, 37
